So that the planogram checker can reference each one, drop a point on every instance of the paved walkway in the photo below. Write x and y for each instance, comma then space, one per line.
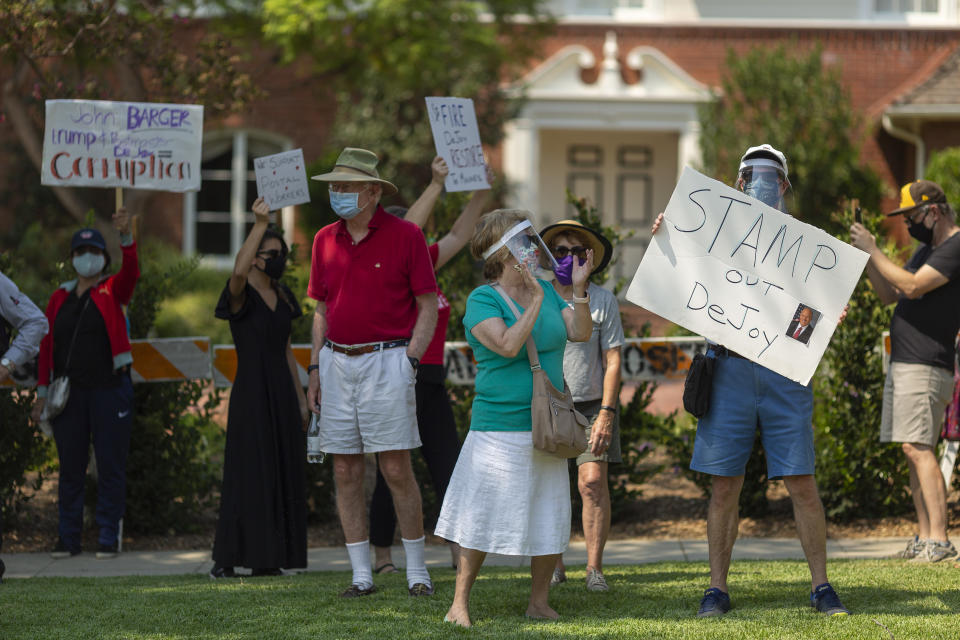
636, 551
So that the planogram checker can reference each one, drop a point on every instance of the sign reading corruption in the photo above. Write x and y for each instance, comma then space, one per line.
135, 145
747, 276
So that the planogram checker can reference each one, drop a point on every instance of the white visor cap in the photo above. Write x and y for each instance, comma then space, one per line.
750, 159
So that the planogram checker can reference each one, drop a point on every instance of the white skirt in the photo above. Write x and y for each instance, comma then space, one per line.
506, 497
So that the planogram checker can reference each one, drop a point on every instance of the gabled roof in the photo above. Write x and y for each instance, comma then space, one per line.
941, 88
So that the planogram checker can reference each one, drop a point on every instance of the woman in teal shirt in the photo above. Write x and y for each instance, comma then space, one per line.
505, 496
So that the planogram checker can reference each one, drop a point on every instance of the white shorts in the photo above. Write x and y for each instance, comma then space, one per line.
368, 402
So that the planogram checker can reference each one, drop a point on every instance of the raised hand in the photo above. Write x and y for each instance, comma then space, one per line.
581, 272
440, 170
261, 211
121, 221
656, 224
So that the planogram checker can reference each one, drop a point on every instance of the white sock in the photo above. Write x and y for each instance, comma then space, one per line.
360, 561
416, 566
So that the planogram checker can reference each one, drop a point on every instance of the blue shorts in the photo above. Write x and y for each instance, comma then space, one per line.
746, 397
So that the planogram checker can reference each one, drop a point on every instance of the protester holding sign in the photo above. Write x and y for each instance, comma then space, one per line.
919, 383
592, 370
438, 429
88, 346
746, 395
505, 496
263, 503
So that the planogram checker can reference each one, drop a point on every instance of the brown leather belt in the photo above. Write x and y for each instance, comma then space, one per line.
361, 349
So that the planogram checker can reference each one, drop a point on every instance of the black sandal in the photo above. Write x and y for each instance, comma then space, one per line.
222, 572
386, 567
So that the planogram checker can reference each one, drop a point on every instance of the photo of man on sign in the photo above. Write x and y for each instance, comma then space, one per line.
804, 320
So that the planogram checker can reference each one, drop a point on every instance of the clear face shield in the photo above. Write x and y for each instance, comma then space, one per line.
765, 183
528, 248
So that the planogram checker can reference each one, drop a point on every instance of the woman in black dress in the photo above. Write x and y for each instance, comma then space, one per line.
263, 511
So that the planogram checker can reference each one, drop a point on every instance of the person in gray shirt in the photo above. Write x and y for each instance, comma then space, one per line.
592, 371
18, 313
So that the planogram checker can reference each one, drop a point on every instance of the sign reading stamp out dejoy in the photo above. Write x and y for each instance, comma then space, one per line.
135, 145
747, 276
282, 179
457, 138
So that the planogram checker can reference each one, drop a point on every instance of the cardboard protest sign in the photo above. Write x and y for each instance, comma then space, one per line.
457, 138
747, 276
136, 145
282, 179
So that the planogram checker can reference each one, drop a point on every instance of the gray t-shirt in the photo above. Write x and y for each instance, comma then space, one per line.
582, 361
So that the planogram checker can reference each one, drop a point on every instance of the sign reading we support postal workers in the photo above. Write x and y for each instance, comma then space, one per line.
135, 145
747, 276
282, 179
456, 136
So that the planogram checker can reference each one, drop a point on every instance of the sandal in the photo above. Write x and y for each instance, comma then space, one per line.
386, 567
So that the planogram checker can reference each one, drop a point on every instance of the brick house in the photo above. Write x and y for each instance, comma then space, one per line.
612, 107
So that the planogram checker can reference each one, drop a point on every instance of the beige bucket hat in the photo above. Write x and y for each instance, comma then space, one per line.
356, 165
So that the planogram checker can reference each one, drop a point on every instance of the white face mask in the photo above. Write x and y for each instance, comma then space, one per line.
89, 264
345, 205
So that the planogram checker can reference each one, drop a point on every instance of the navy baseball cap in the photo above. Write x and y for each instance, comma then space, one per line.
88, 238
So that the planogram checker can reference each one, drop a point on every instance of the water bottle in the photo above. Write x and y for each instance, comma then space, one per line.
314, 454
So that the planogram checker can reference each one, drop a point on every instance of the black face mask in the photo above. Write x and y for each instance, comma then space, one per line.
274, 266
919, 230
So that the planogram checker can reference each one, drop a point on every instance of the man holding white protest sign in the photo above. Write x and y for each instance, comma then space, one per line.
742, 287
919, 383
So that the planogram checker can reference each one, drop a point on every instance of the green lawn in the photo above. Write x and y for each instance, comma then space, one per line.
890, 599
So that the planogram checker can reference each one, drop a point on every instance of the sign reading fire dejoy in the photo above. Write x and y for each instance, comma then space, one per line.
135, 145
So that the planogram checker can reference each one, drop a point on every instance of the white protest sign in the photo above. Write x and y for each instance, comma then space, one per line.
135, 145
740, 273
457, 138
282, 179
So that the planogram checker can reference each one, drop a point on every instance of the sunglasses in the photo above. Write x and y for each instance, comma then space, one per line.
270, 253
562, 252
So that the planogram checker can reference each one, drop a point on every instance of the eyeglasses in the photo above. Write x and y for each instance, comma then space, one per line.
562, 252
270, 253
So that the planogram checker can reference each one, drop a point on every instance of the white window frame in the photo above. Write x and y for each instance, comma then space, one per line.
946, 13
239, 176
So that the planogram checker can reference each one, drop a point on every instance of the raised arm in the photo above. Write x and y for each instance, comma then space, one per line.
462, 229
419, 212
494, 334
888, 279
578, 320
248, 253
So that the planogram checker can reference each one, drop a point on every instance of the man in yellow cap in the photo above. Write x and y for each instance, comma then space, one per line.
919, 382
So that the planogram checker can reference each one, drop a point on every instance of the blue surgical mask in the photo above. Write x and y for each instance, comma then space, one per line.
345, 205
89, 264
766, 188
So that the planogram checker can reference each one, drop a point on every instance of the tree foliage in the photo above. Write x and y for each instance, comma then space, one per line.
790, 100
109, 50
944, 169
381, 58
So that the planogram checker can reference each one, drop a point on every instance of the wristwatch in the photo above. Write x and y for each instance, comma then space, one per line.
414, 362
5, 362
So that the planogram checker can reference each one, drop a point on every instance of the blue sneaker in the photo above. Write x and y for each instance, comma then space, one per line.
715, 603
825, 600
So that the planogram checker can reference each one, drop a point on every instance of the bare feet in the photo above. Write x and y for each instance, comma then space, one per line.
459, 617
542, 613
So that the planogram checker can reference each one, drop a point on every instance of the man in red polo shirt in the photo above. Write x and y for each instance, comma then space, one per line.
376, 294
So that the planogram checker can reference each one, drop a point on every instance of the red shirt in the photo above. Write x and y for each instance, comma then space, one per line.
370, 287
434, 352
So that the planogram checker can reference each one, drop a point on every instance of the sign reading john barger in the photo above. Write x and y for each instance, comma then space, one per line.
135, 145
747, 276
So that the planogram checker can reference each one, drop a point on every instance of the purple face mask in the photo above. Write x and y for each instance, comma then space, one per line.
565, 273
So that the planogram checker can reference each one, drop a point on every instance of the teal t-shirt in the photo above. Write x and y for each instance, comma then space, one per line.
504, 386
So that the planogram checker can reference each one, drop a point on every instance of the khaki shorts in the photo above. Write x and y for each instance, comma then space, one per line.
591, 409
915, 397
368, 403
